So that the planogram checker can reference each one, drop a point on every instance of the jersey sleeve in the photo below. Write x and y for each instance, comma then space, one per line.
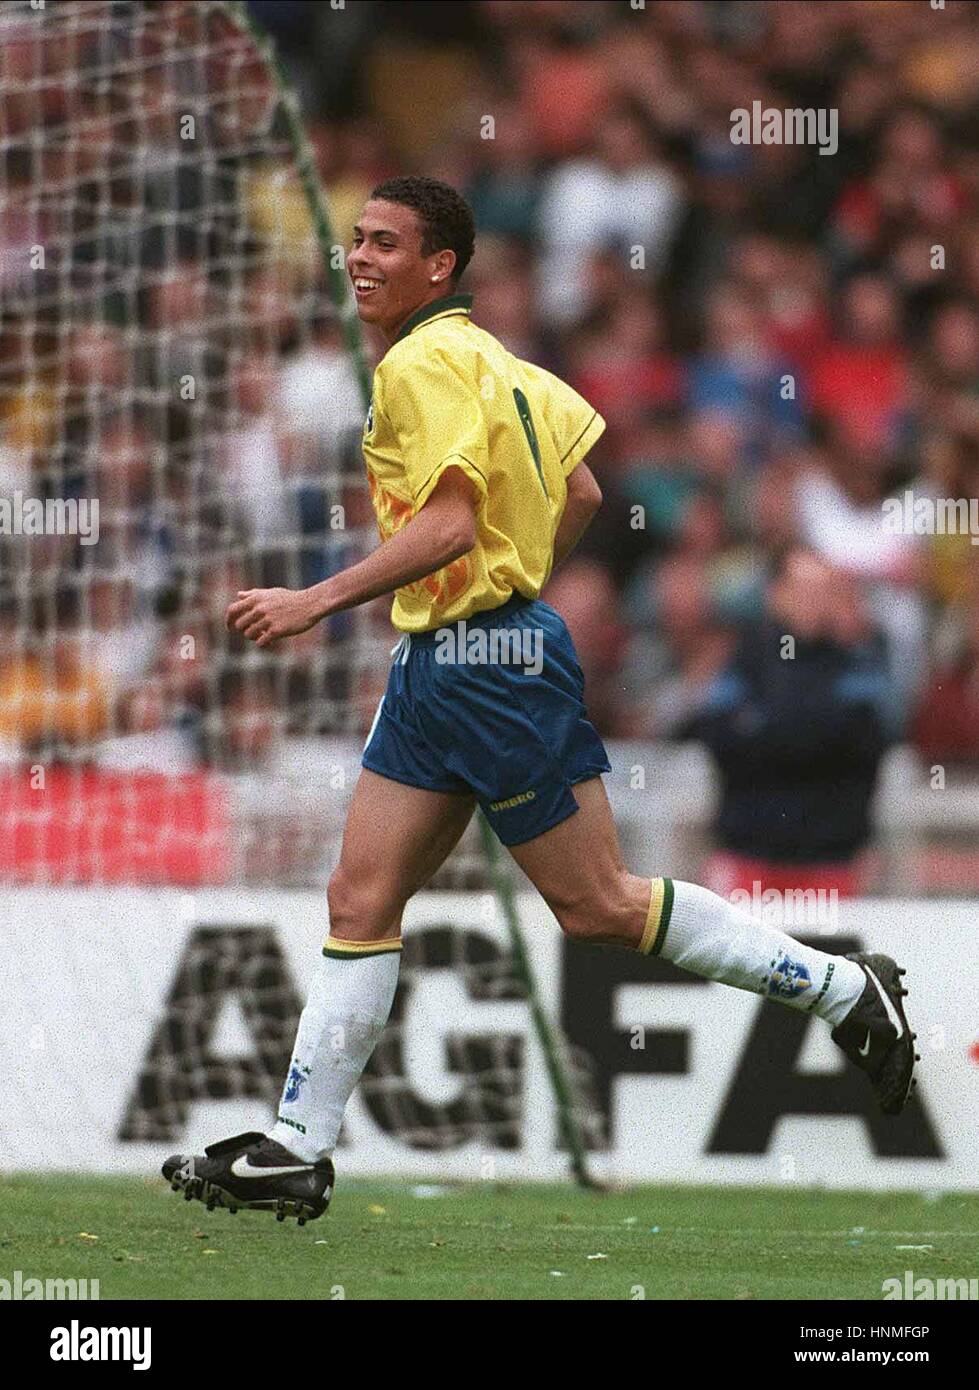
436, 415
574, 425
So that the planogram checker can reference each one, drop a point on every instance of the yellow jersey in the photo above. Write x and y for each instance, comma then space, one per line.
447, 394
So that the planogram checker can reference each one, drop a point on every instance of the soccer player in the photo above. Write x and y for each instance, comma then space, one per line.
476, 467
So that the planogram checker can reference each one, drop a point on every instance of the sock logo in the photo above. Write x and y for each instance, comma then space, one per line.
295, 1081
789, 978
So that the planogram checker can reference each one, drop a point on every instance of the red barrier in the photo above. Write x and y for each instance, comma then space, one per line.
89, 826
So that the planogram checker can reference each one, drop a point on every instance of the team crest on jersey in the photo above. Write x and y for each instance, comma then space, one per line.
789, 978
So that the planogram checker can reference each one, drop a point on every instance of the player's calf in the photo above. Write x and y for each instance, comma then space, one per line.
607, 911
362, 909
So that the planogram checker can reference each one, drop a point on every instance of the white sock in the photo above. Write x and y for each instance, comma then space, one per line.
705, 934
348, 1006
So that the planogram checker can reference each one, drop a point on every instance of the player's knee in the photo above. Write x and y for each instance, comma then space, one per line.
359, 908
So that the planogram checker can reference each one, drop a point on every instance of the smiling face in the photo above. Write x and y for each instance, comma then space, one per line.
391, 275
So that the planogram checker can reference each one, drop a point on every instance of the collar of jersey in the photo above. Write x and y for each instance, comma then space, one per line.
448, 304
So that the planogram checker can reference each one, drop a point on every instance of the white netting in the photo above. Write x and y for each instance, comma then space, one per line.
168, 352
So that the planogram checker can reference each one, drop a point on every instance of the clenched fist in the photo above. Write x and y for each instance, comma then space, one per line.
265, 615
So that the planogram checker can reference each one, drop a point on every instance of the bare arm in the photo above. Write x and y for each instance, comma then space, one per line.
584, 500
444, 529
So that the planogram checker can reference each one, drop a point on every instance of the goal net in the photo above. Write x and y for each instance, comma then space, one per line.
180, 417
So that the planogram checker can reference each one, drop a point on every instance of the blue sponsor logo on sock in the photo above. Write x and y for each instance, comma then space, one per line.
789, 978
294, 1083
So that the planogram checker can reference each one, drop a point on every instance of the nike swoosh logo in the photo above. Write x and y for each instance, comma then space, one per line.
892, 1013
863, 1051
241, 1168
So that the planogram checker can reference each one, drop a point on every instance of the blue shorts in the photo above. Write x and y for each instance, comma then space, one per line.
492, 706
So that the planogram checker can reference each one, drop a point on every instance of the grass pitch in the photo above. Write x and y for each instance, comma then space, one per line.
406, 1241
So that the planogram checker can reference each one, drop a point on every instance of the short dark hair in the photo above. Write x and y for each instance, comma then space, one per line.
446, 218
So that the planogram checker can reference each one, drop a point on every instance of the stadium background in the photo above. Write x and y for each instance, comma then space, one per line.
210, 767
758, 261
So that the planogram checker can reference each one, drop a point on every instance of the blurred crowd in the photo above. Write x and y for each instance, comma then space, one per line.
779, 340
